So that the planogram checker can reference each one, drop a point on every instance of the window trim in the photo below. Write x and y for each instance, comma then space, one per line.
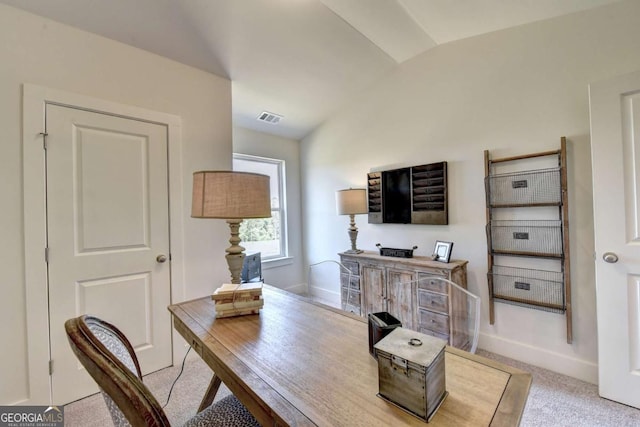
284, 235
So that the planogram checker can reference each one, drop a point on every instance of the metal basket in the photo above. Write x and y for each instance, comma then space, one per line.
541, 237
540, 289
395, 252
531, 188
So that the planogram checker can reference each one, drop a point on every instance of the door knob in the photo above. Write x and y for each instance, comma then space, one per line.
610, 257
161, 258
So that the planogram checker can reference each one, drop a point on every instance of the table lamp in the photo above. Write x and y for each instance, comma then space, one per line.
352, 202
233, 196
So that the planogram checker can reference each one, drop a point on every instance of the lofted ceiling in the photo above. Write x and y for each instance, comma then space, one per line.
300, 59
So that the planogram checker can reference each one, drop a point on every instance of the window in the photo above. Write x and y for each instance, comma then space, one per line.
265, 235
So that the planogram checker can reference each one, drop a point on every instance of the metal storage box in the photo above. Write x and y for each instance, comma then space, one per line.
411, 371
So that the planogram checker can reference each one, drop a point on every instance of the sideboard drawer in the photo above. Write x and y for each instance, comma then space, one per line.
353, 267
430, 282
426, 331
433, 301
433, 321
350, 280
354, 298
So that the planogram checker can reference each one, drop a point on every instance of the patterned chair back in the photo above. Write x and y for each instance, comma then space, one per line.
110, 359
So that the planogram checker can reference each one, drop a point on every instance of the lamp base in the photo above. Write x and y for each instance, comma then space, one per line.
235, 252
353, 251
235, 262
353, 235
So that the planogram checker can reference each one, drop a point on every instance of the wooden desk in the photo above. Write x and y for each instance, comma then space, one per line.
303, 363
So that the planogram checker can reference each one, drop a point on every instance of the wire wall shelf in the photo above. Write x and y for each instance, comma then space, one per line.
538, 289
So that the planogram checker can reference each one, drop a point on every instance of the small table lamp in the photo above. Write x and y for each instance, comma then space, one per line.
233, 196
352, 202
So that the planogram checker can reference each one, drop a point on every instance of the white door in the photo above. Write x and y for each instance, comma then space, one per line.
107, 224
615, 153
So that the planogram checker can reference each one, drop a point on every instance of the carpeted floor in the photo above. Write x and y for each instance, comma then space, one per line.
554, 399
558, 400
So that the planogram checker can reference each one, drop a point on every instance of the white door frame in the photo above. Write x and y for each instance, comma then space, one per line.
35, 99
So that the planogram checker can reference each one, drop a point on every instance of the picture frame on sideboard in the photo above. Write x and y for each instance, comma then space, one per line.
442, 251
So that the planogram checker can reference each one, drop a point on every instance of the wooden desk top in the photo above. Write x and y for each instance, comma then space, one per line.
302, 363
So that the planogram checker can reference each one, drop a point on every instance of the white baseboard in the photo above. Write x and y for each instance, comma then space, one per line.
300, 288
324, 296
581, 369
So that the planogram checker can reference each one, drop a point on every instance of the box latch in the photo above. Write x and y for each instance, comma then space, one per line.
399, 363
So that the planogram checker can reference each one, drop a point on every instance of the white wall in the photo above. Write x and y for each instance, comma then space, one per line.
42, 52
512, 92
288, 273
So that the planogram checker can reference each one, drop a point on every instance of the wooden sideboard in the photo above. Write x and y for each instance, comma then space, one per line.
402, 287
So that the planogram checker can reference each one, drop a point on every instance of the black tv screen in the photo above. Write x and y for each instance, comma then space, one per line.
396, 196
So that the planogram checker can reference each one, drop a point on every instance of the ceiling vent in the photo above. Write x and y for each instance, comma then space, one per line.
268, 117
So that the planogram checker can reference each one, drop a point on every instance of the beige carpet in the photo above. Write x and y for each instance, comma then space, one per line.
559, 400
554, 399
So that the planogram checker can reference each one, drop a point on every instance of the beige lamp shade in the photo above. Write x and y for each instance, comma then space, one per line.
230, 195
352, 201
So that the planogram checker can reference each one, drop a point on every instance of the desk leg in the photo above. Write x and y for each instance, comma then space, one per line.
207, 400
